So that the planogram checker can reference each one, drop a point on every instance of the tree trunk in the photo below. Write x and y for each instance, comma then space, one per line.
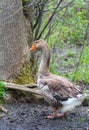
15, 38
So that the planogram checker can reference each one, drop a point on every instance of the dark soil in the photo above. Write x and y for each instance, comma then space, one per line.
28, 116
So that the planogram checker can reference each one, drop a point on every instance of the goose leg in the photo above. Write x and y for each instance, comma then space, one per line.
55, 115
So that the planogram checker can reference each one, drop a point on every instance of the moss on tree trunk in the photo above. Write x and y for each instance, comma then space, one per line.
15, 40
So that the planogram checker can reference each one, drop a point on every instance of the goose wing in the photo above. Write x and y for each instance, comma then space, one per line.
60, 86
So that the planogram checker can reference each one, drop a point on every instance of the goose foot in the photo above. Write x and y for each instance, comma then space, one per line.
55, 115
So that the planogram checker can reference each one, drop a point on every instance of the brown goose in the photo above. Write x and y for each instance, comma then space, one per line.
56, 90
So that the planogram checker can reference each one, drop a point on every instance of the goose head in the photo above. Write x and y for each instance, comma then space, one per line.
38, 45
41, 45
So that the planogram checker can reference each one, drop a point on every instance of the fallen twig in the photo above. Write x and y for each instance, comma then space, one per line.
3, 109
19, 85
25, 88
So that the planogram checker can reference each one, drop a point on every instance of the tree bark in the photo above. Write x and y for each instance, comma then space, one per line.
15, 38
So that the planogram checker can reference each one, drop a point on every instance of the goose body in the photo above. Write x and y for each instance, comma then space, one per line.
58, 91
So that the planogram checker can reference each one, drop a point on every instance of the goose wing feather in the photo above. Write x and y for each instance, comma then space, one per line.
60, 86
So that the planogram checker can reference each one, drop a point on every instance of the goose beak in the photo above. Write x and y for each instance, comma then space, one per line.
33, 48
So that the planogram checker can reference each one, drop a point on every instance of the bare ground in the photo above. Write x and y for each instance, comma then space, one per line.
31, 116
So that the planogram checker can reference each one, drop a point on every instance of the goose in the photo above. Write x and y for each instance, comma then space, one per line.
58, 91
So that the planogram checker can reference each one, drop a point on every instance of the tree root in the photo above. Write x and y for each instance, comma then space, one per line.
32, 88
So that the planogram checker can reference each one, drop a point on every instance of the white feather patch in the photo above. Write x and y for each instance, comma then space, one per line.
71, 103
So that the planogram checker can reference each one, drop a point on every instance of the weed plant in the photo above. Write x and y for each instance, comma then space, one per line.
2, 91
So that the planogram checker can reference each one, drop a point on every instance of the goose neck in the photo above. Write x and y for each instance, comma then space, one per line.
44, 65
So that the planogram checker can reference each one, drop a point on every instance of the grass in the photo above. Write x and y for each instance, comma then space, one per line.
82, 73
70, 53
81, 120
70, 30
68, 60
2, 91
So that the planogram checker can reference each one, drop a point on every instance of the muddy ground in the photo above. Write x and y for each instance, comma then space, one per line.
31, 116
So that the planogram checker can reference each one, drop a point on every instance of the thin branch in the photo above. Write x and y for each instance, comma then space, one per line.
49, 19
39, 4
39, 19
66, 5
39, 22
48, 33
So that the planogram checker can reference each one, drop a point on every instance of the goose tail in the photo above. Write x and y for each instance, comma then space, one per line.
84, 95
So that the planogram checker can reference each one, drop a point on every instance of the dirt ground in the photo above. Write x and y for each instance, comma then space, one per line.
31, 116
